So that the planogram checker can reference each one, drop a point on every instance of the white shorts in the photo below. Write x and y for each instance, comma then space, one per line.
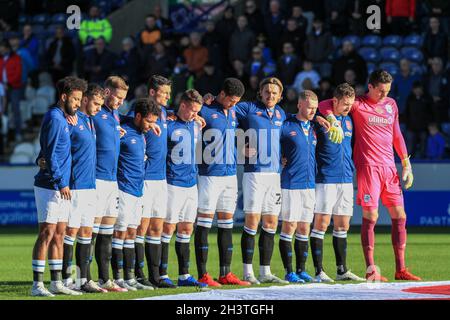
84, 208
217, 194
155, 199
298, 205
262, 193
51, 208
181, 204
334, 198
130, 212
107, 198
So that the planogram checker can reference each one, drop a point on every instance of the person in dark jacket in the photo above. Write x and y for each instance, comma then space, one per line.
242, 41
294, 35
99, 62
60, 55
318, 46
435, 43
350, 59
127, 65
210, 81
254, 17
288, 65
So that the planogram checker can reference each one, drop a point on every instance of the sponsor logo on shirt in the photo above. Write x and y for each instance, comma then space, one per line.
388, 108
380, 121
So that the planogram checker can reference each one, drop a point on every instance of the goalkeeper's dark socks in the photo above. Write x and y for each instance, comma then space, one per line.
317, 249
285, 245
340, 250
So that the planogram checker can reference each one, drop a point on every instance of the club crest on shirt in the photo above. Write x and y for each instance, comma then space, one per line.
104, 116
66, 129
348, 124
278, 114
293, 133
278, 123
233, 124
259, 113
388, 108
233, 114
366, 198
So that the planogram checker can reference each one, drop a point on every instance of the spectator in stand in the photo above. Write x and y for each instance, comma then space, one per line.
400, 16
350, 77
307, 73
255, 66
254, 17
325, 90
182, 79
28, 65
417, 115
211, 40
60, 55
156, 63
435, 43
225, 28
11, 77
350, 59
242, 41
318, 46
196, 55
9, 15
239, 72
95, 27
266, 51
128, 64
210, 81
294, 35
300, 19
440, 9
435, 143
290, 104
288, 65
437, 83
311, 10
151, 33
357, 14
336, 13
99, 62
31, 43
251, 90
402, 86
274, 23
163, 23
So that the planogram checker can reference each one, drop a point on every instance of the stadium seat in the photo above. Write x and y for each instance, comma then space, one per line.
371, 67
390, 67
20, 158
445, 126
392, 41
41, 19
413, 40
353, 39
390, 54
412, 54
25, 110
40, 105
371, 41
26, 148
369, 54
416, 68
23, 19
59, 18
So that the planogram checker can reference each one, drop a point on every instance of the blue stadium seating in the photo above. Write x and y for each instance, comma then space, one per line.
416, 68
390, 67
389, 54
41, 19
371, 41
23, 19
353, 39
369, 54
59, 18
413, 40
371, 67
337, 42
412, 54
445, 126
392, 41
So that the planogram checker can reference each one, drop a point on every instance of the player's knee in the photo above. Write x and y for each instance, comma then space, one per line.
131, 233
342, 227
154, 231
46, 235
303, 228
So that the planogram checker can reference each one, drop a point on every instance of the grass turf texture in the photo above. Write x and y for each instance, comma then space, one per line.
427, 255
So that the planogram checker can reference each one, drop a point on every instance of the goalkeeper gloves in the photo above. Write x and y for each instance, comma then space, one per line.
335, 134
407, 175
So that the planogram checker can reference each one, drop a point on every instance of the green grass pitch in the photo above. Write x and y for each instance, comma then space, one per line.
427, 255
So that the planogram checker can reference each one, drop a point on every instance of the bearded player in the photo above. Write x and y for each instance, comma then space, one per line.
376, 120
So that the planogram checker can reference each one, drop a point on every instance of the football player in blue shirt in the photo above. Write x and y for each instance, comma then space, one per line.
130, 178
51, 187
334, 188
